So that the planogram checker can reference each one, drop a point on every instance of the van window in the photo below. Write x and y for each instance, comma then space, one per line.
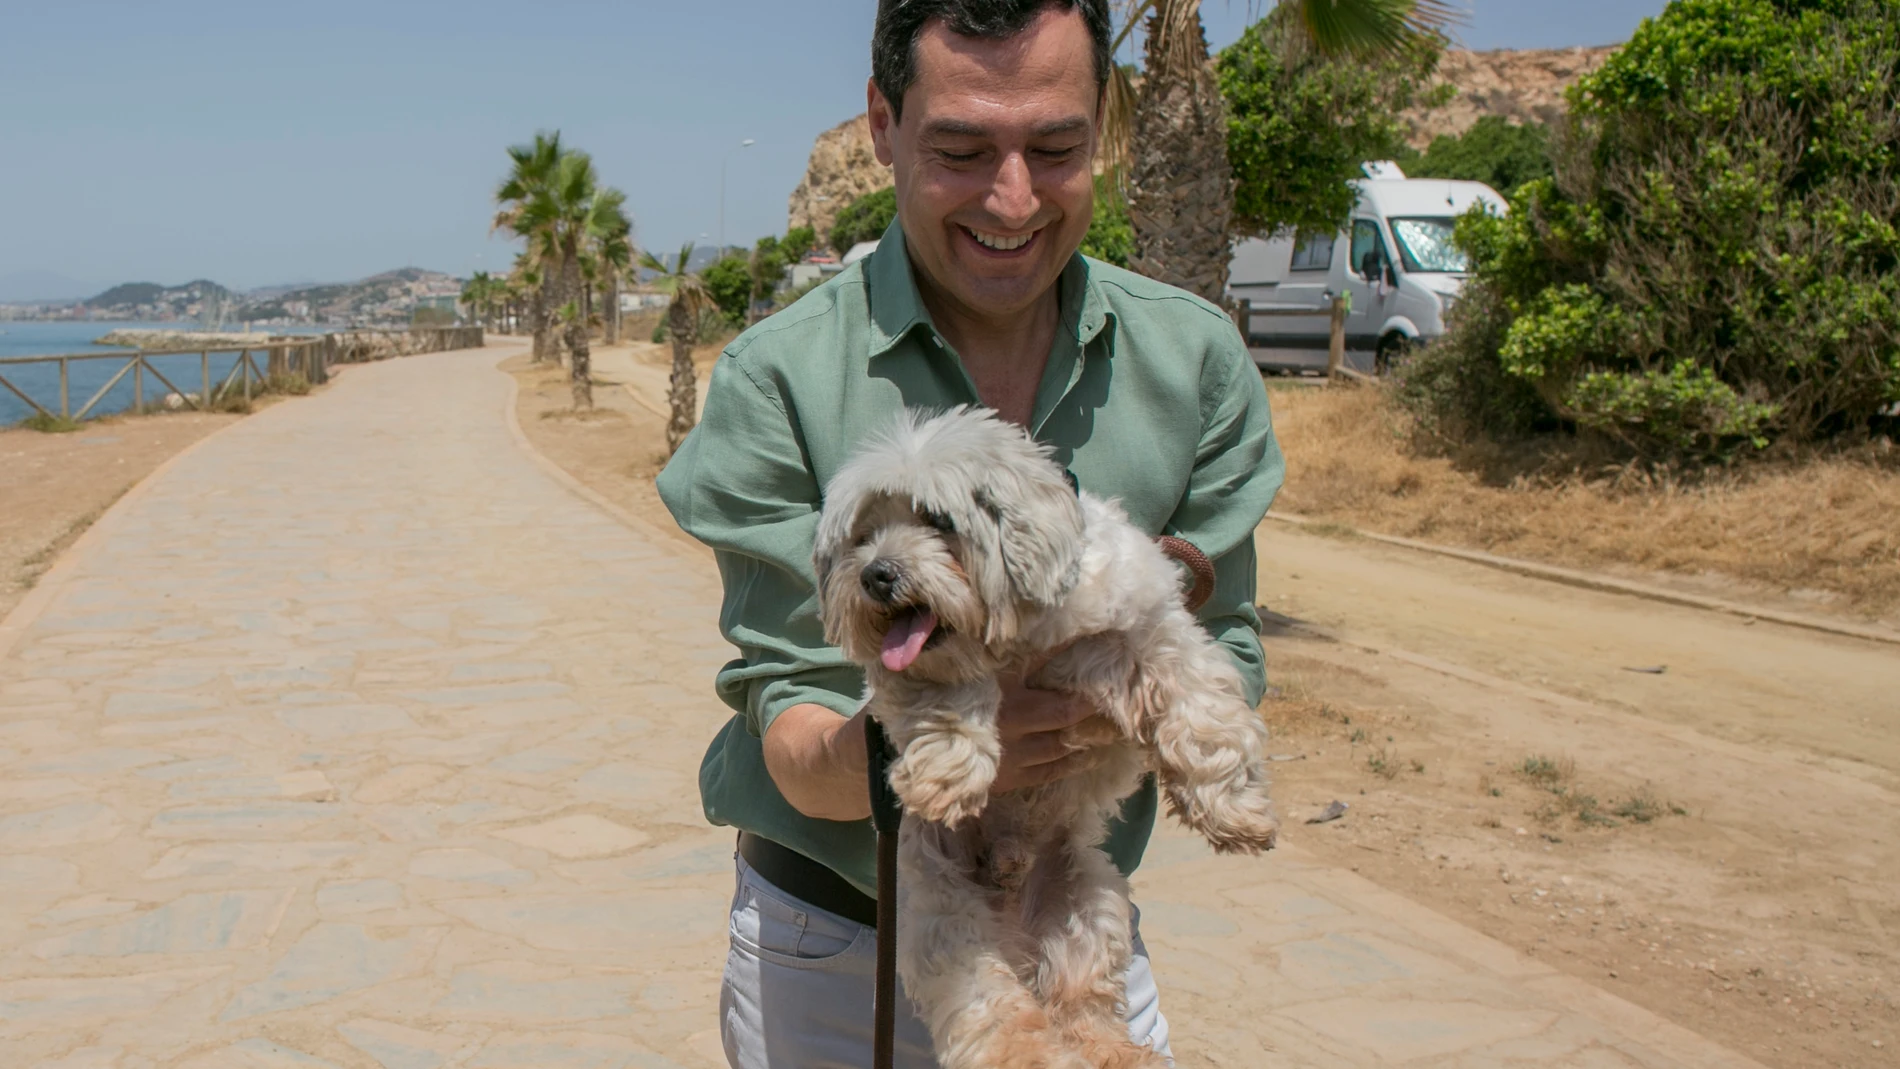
1365, 239
1313, 253
1426, 245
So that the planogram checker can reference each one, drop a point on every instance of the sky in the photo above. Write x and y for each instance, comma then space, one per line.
262, 143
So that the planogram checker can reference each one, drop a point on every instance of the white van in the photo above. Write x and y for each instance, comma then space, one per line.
1394, 262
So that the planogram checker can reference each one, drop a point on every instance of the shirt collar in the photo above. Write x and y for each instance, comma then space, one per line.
897, 308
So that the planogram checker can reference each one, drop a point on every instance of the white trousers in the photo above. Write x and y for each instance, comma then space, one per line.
798, 988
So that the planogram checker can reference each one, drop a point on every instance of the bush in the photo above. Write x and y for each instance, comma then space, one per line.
1714, 264
1501, 154
864, 219
730, 283
1299, 124
1111, 236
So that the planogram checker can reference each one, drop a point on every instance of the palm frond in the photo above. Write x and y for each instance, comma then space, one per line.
1363, 28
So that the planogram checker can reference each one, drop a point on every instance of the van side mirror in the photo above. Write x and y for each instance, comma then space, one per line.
1369, 265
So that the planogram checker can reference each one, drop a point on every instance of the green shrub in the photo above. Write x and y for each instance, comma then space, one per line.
1499, 153
47, 423
1299, 124
1715, 263
864, 219
730, 283
1111, 236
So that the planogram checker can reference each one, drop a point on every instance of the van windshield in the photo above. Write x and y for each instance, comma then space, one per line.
1425, 245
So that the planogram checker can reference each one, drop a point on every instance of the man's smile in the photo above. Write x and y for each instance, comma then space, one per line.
1001, 244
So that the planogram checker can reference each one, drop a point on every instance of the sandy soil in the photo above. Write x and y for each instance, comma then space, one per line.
1717, 841
52, 486
1813, 535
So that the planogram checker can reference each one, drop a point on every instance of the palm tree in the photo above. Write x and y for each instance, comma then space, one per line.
613, 257
564, 217
527, 181
1167, 140
479, 294
690, 298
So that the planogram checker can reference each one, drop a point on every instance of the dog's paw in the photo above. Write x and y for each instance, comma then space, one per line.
935, 798
1232, 822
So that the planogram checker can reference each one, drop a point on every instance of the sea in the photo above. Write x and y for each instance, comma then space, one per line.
84, 377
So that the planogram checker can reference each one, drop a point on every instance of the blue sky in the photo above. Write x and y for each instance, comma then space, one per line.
258, 143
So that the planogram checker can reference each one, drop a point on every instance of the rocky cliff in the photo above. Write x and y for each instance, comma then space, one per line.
842, 169
1522, 86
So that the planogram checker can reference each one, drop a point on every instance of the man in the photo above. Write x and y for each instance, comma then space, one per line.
988, 112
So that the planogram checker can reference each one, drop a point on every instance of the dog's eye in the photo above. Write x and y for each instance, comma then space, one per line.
862, 541
939, 521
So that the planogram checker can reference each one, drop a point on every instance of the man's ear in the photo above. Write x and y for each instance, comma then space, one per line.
878, 111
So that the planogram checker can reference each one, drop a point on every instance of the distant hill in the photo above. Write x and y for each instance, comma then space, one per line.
149, 300
382, 299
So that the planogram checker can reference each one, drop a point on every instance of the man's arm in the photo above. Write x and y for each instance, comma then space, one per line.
1238, 469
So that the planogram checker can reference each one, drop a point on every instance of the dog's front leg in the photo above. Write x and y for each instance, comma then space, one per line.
948, 746
950, 947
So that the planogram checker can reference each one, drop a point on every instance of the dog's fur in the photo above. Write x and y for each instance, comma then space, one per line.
1014, 931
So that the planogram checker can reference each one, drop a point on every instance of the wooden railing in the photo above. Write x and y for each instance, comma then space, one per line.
1245, 312
310, 357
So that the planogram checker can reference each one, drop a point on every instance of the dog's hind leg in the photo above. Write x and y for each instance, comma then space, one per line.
950, 953
1076, 909
1209, 745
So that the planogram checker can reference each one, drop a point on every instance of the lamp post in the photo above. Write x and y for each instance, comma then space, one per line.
746, 144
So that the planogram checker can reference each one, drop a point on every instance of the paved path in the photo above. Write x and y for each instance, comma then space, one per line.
357, 740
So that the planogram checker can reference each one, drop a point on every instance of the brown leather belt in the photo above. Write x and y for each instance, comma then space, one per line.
803, 878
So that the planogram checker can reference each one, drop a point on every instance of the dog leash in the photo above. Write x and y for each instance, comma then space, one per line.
886, 814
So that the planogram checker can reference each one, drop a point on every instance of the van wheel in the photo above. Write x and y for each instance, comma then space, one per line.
1391, 347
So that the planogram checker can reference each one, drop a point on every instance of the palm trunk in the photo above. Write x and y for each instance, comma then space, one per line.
1180, 185
612, 328
579, 358
683, 392
538, 321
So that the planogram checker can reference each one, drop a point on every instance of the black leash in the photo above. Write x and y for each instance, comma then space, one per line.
886, 814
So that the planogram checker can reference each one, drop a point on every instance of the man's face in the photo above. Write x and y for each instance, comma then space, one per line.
992, 159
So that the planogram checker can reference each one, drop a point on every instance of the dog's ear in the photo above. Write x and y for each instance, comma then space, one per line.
1038, 527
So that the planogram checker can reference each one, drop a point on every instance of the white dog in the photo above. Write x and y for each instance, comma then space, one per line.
953, 550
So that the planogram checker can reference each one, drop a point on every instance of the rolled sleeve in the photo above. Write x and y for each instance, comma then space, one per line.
1238, 469
742, 484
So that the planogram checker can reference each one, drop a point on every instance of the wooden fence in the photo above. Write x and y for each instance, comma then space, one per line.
1245, 312
310, 357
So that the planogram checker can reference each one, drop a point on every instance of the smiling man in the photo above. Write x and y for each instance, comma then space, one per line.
988, 113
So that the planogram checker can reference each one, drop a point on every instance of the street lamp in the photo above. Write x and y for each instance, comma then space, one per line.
747, 143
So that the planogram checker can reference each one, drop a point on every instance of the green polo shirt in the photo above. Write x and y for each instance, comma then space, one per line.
1149, 397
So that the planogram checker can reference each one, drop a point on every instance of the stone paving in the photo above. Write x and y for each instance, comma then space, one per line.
354, 740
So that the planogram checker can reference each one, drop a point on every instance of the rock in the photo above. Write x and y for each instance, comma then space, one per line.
216, 341
842, 168
1329, 814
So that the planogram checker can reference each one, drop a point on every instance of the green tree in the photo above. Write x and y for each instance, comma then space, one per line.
798, 243
729, 283
864, 219
690, 298
1300, 122
1501, 154
767, 267
1715, 263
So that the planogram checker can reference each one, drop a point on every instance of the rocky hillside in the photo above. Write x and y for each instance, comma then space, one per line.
1522, 86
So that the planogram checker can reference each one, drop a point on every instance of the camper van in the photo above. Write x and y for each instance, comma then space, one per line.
1394, 262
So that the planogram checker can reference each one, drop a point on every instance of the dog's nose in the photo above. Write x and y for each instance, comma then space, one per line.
879, 578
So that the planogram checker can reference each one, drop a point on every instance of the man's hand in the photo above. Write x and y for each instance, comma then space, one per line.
1033, 724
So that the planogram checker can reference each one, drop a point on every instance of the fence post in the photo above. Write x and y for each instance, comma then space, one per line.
244, 370
1336, 345
138, 384
1243, 319
65, 406
204, 370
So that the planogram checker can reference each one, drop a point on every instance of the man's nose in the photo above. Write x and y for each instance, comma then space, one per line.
879, 579
1012, 198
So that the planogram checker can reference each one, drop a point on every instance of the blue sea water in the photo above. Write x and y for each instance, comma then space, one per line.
41, 381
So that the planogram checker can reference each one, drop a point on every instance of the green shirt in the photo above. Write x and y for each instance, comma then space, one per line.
1149, 397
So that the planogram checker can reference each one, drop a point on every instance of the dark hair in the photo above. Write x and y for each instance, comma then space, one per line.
901, 22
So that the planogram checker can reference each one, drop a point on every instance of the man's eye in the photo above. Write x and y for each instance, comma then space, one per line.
959, 157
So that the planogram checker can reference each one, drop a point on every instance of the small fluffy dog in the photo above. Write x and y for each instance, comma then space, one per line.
952, 550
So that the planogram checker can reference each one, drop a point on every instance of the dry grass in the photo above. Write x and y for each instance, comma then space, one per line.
1820, 529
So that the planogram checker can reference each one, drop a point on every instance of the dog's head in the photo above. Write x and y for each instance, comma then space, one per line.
938, 537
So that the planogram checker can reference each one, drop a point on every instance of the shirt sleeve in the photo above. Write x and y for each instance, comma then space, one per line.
1238, 469
742, 484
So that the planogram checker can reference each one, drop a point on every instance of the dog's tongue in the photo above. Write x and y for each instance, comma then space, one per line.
905, 640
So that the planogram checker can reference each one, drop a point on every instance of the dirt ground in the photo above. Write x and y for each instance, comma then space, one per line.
1693, 812
1817, 535
52, 486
